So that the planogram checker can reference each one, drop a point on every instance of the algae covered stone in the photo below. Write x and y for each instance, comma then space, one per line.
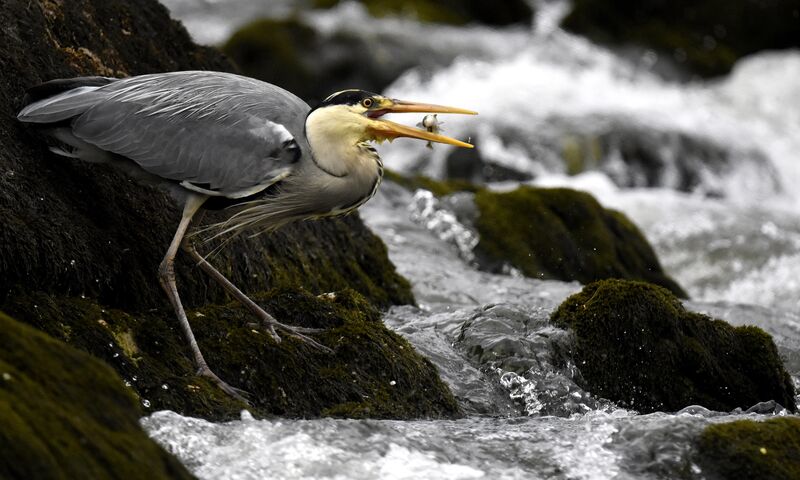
635, 344
746, 449
372, 371
706, 36
454, 12
563, 234
65, 414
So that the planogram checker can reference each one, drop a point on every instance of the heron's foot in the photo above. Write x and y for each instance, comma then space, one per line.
272, 327
234, 392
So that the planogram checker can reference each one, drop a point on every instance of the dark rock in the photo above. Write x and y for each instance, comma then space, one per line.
636, 156
288, 378
706, 37
68, 415
293, 55
455, 12
745, 450
437, 187
468, 165
563, 234
636, 345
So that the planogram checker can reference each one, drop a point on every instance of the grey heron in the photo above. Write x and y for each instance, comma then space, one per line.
224, 139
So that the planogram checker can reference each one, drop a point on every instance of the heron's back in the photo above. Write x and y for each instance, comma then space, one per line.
222, 133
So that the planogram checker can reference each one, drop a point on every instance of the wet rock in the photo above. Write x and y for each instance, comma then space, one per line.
313, 64
704, 37
455, 12
372, 372
468, 165
636, 345
637, 156
562, 234
68, 415
746, 449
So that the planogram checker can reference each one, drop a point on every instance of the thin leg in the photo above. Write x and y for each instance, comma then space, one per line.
267, 320
166, 275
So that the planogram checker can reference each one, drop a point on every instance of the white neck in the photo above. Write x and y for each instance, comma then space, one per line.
334, 135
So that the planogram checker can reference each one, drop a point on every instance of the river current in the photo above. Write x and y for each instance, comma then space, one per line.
722, 212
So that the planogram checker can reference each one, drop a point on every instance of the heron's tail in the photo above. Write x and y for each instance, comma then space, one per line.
59, 100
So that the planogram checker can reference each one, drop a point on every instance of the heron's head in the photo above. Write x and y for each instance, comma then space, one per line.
356, 115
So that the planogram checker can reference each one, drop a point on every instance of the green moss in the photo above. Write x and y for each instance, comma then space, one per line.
289, 378
744, 449
439, 188
453, 12
707, 36
64, 414
563, 234
635, 344
272, 50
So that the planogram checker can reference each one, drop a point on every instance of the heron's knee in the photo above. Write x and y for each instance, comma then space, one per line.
166, 271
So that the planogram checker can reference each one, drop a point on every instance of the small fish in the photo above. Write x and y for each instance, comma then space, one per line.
431, 124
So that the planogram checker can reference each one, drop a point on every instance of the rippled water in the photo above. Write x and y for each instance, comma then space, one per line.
731, 237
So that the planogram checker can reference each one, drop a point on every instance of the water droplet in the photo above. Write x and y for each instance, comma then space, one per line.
393, 383
6, 376
165, 386
146, 403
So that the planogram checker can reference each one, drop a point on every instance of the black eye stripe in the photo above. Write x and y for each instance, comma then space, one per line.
347, 97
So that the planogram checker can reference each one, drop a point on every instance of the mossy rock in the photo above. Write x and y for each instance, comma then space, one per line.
373, 372
314, 64
65, 414
636, 345
439, 188
745, 449
453, 12
563, 234
274, 51
706, 36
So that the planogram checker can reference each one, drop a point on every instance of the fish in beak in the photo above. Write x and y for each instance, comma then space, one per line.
381, 129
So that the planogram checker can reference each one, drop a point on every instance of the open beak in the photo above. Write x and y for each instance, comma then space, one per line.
386, 130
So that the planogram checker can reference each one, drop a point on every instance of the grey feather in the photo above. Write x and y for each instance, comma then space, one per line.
214, 131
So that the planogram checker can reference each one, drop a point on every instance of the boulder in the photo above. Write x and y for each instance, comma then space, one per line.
454, 12
66, 414
635, 344
372, 371
744, 449
562, 234
705, 37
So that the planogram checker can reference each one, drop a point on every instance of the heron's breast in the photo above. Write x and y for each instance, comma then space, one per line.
346, 194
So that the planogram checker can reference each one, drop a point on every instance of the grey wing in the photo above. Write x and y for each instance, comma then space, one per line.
216, 133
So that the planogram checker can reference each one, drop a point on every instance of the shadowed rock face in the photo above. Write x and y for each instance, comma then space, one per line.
80, 245
706, 37
636, 345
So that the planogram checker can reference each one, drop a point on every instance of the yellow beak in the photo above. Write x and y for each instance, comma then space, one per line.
384, 129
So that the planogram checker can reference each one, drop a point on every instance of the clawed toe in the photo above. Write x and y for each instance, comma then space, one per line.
234, 392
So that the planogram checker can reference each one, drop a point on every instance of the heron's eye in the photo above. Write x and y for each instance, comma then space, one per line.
367, 102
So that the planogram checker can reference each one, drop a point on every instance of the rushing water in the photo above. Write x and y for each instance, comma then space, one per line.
721, 211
